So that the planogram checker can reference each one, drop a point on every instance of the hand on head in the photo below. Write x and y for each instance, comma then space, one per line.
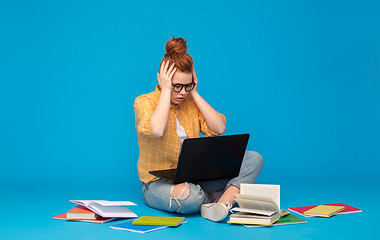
165, 75
195, 80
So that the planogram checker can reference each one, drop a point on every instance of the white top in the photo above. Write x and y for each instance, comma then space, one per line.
181, 132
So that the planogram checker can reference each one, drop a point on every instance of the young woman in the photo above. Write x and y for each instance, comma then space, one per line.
164, 118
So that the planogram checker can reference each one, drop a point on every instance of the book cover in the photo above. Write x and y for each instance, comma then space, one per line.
243, 218
323, 211
159, 221
128, 226
291, 219
347, 208
98, 220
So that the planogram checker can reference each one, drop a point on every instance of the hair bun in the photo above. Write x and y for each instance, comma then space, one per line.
176, 45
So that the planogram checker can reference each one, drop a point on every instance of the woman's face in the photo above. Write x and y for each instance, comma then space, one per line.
182, 79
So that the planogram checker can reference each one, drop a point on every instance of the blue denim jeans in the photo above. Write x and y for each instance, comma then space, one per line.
157, 194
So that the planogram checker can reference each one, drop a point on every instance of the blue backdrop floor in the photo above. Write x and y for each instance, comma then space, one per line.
27, 213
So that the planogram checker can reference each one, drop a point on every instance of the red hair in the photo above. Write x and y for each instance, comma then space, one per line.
176, 52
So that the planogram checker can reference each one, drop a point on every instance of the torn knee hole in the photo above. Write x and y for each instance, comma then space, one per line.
180, 191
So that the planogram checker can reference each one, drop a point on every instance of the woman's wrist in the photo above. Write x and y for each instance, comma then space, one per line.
166, 91
194, 93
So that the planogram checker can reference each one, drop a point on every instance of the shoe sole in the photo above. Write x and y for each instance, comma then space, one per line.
215, 212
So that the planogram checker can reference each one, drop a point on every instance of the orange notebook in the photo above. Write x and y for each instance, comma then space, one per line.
99, 220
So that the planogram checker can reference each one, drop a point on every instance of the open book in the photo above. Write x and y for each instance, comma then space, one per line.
258, 204
108, 209
128, 226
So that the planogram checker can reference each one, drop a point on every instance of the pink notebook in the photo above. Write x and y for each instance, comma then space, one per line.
347, 209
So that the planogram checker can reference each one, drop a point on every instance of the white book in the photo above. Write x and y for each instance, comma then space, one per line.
108, 209
258, 204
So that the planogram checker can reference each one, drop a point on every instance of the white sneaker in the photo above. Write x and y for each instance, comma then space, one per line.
215, 212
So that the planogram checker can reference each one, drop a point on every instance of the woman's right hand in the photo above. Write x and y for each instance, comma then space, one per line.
165, 75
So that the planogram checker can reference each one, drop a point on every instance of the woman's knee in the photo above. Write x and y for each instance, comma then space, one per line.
193, 201
254, 159
180, 191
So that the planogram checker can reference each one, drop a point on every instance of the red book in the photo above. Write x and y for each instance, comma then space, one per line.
347, 209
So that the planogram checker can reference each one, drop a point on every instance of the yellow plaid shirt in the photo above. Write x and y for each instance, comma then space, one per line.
163, 153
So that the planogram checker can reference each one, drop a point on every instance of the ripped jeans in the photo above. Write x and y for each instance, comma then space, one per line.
157, 194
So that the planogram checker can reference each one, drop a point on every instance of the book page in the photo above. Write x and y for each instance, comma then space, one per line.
103, 202
262, 190
269, 203
111, 211
259, 207
114, 203
249, 215
254, 212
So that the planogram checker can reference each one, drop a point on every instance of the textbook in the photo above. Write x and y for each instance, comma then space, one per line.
258, 204
347, 209
98, 220
159, 221
290, 219
80, 212
128, 226
324, 211
108, 209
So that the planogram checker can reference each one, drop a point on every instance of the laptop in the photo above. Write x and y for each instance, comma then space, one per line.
207, 158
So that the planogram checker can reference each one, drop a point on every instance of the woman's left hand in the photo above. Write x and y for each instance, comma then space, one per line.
195, 79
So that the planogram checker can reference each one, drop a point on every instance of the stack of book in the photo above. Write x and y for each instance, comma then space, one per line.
325, 210
259, 205
97, 211
146, 224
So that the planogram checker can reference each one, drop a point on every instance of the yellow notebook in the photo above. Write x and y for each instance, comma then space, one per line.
159, 221
323, 211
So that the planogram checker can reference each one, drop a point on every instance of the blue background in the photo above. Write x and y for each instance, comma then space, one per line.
302, 77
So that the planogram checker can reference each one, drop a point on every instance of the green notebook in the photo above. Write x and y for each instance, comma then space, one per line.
159, 221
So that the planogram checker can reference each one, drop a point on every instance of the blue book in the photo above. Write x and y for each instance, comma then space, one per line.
128, 226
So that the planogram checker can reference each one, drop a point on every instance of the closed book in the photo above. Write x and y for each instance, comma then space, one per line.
249, 218
80, 212
159, 221
347, 209
99, 220
290, 219
324, 211
128, 226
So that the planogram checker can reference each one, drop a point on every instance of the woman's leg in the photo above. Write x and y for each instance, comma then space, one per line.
183, 198
250, 169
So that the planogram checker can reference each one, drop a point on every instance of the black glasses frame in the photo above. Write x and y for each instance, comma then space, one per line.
188, 87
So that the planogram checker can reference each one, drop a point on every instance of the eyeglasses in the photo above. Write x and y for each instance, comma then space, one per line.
179, 87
